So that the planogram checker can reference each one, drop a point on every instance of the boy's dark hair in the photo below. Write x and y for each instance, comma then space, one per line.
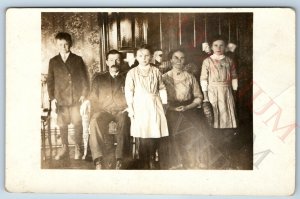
65, 36
113, 52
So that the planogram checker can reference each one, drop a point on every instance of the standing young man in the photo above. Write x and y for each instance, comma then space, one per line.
67, 87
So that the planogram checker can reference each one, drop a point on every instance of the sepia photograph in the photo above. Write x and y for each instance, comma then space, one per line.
146, 91
177, 101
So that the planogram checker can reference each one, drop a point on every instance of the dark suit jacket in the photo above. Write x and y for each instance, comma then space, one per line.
108, 93
67, 81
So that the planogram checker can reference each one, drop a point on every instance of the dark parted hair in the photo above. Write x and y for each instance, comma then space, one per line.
174, 51
113, 52
217, 37
65, 36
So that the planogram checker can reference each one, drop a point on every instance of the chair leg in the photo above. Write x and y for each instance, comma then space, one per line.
85, 145
85, 134
135, 148
43, 140
49, 136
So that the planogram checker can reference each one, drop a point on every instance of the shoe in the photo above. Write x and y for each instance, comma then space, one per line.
77, 152
64, 152
99, 166
99, 163
152, 165
202, 166
119, 164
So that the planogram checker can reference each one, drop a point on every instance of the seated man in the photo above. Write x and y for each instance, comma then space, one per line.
108, 104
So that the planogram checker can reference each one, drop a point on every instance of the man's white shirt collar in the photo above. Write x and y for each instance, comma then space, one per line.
114, 75
65, 56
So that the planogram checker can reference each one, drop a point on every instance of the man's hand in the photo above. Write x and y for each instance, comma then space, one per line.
85, 108
53, 105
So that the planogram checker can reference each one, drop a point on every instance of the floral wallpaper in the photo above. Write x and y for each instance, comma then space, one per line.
85, 31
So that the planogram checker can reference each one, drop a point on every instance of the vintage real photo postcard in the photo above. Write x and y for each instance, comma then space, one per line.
151, 101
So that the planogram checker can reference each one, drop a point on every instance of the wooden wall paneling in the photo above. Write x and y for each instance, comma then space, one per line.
244, 22
187, 30
194, 34
119, 31
224, 24
141, 29
245, 36
145, 28
212, 25
133, 17
154, 32
232, 27
166, 32
170, 31
179, 29
138, 30
106, 30
126, 30
200, 30
205, 28
112, 30
160, 32
219, 25
103, 40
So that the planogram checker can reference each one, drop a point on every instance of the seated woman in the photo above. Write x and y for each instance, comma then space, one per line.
184, 121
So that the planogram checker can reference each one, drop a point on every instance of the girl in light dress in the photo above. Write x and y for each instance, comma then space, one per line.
219, 85
145, 94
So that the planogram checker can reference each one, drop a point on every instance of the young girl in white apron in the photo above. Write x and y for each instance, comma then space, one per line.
145, 94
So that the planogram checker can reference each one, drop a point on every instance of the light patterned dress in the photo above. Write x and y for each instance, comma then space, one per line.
185, 88
219, 75
142, 92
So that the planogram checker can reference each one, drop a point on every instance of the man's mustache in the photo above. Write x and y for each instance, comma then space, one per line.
116, 66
